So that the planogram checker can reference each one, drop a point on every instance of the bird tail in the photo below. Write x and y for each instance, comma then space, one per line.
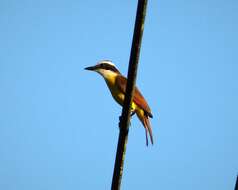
144, 118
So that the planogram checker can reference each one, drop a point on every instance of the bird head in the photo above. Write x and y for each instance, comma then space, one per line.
104, 68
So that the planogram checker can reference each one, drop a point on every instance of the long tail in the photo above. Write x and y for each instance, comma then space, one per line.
144, 118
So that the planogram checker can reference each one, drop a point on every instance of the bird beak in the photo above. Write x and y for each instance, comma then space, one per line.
90, 68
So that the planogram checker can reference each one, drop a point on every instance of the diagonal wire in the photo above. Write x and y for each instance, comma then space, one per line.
131, 76
236, 186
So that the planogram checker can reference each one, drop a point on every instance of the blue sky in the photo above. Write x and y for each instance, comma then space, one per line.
58, 122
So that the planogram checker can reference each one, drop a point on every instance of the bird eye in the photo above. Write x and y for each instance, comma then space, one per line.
104, 66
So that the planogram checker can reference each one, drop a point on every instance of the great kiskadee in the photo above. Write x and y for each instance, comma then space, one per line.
116, 83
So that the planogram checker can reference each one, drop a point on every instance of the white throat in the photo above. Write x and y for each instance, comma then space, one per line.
107, 74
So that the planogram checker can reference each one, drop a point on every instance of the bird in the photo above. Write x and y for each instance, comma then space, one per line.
116, 83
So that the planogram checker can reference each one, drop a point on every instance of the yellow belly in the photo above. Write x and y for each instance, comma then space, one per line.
117, 94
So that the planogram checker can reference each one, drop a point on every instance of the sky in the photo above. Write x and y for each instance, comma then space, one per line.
59, 123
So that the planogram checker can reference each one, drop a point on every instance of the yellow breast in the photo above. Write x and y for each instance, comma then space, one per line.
115, 91
117, 94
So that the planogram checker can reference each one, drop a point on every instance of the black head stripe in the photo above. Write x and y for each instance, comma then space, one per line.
109, 67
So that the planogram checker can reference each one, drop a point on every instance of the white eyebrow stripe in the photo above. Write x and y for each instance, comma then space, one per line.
107, 61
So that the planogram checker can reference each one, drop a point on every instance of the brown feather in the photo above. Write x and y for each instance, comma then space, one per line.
138, 98
140, 101
148, 126
146, 123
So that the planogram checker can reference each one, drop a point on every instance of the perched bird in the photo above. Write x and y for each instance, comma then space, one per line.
116, 83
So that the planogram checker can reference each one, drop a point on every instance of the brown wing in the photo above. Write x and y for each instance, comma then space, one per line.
138, 98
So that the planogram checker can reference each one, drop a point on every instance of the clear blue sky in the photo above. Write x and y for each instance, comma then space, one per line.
58, 122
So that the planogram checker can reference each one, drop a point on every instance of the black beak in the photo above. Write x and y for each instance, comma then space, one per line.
90, 68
